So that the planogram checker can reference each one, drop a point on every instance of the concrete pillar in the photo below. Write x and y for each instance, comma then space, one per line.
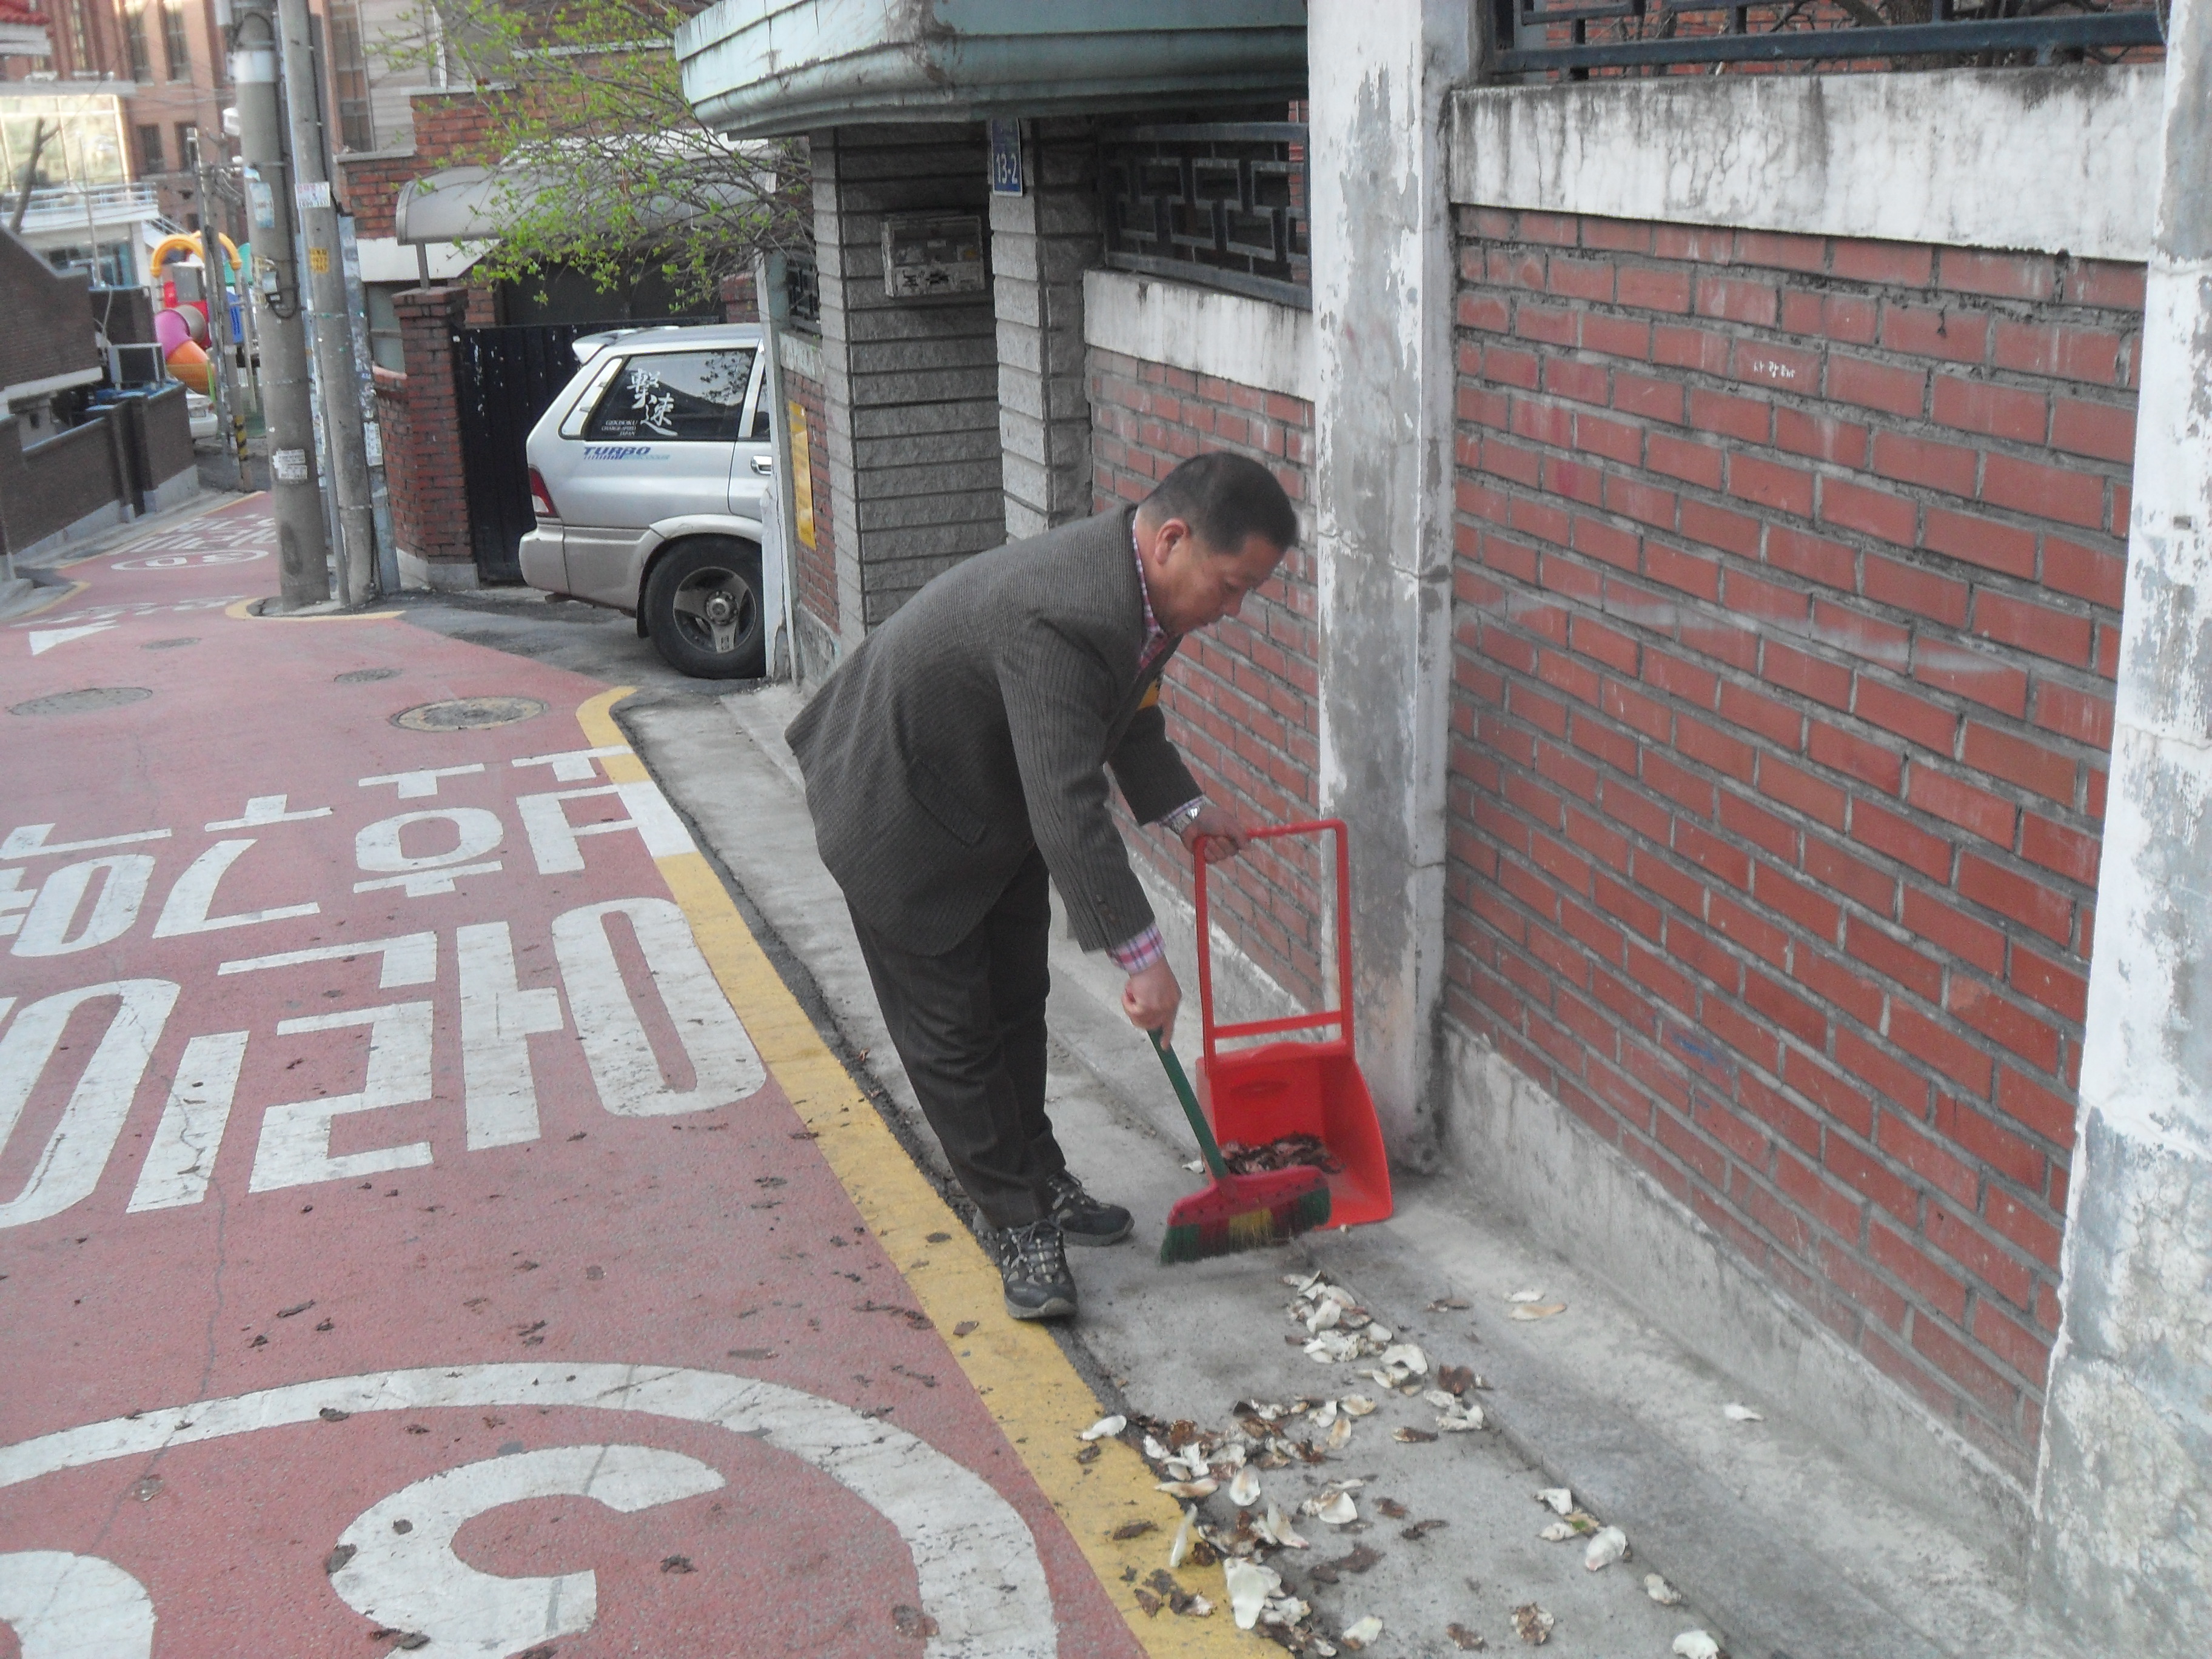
1041, 242
2123, 1491
1383, 274
911, 386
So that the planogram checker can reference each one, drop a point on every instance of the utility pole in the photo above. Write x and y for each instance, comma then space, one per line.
332, 328
303, 551
218, 297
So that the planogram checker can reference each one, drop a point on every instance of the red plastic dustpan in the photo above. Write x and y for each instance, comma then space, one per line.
1260, 1094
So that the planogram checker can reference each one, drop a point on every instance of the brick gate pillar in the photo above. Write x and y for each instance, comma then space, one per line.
423, 458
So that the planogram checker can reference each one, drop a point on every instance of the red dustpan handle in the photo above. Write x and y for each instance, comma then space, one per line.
1340, 1016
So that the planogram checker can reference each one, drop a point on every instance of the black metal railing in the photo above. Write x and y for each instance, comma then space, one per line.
1578, 36
1220, 204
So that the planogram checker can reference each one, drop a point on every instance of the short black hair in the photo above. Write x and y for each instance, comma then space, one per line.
1226, 499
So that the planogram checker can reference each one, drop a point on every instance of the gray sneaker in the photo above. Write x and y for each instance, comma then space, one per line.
1033, 1271
1082, 1219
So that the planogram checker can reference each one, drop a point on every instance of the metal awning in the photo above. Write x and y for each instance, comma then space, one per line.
461, 205
758, 68
476, 204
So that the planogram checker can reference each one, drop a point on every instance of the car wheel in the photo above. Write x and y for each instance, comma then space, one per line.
702, 610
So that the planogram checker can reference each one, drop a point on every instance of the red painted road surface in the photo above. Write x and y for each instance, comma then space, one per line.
366, 1077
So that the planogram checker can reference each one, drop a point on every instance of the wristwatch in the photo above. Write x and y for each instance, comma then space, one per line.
1184, 816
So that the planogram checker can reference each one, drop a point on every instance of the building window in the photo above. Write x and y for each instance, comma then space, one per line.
113, 267
384, 338
134, 39
149, 151
80, 21
175, 45
349, 74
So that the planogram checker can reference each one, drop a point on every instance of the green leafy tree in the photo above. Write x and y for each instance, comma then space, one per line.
597, 162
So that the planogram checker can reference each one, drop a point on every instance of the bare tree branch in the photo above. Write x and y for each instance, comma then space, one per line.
30, 172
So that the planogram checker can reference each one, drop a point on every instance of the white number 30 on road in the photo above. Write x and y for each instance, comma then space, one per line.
976, 1565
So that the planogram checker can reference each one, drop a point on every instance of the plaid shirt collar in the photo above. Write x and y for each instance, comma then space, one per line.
1155, 636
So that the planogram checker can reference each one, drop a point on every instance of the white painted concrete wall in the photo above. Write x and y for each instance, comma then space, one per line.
2056, 160
1384, 269
2124, 1480
1253, 343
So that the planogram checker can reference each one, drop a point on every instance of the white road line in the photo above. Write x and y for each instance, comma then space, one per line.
377, 849
295, 1136
408, 959
414, 786
46, 639
974, 1558
266, 808
498, 1019
573, 765
73, 1606
69, 1167
553, 839
28, 841
726, 1066
186, 911
181, 1157
14, 898
44, 930
413, 1581
426, 883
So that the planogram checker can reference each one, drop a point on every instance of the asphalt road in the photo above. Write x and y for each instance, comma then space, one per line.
427, 1221
448, 1203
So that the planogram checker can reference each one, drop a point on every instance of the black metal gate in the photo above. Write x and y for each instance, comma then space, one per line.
503, 380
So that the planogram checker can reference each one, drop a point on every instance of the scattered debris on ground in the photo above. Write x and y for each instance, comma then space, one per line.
1607, 1546
1288, 1152
911, 1622
1361, 1631
1269, 1443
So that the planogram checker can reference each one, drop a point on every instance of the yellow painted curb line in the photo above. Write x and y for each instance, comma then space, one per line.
244, 611
1018, 1371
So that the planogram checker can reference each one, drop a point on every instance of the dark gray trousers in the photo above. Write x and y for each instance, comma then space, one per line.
969, 1024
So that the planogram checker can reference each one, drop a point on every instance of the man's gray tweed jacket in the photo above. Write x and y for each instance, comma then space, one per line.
975, 724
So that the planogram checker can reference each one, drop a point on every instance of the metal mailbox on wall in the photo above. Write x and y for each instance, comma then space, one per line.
926, 254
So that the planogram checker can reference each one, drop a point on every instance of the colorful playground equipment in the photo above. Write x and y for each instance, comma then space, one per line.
180, 326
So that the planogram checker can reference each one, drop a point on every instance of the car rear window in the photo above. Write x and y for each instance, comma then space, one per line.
695, 397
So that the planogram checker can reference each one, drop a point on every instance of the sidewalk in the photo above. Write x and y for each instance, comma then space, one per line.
1778, 1547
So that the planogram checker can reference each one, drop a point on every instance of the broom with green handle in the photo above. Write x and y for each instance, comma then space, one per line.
1238, 1211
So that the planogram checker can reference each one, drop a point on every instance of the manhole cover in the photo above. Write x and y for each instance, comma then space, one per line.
166, 645
467, 714
363, 676
86, 701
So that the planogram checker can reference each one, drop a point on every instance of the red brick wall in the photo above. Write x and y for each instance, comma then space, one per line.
1241, 697
1788, 588
448, 127
422, 452
817, 565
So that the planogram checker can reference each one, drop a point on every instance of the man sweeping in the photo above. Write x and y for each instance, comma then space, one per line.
958, 759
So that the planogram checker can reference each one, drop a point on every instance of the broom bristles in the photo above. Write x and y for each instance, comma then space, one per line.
1232, 1216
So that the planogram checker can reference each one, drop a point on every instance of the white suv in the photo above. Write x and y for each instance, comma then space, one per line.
649, 473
